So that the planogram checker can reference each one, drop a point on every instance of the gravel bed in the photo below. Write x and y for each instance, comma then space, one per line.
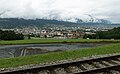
88, 66
74, 69
99, 64
114, 72
107, 63
117, 62
110, 72
119, 59
60, 71
44, 72
57, 62
101, 73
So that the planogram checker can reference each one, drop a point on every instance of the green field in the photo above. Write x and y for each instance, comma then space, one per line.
36, 59
36, 41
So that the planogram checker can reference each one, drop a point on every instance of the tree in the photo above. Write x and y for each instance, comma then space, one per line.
10, 35
110, 34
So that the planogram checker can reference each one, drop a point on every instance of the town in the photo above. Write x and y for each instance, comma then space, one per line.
57, 32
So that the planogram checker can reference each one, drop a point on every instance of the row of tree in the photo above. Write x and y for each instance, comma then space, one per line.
110, 34
10, 35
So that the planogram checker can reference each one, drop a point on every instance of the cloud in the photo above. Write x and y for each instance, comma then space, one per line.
61, 9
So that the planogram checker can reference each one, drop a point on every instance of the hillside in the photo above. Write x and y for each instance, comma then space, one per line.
20, 22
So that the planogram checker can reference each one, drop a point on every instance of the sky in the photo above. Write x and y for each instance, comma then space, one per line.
61, 9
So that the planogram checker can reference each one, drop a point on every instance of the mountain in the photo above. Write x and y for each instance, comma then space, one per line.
20, 22
90, 19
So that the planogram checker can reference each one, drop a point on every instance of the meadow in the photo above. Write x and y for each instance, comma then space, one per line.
41, 41
52, 57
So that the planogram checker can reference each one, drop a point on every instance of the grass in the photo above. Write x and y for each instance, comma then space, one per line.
36, 41
36, 59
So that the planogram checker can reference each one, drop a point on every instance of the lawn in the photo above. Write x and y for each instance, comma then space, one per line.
36, 59
37, 41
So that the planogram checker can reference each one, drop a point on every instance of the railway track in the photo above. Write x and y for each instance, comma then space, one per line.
102, 65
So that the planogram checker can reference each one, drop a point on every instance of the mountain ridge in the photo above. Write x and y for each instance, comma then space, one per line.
21, 22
